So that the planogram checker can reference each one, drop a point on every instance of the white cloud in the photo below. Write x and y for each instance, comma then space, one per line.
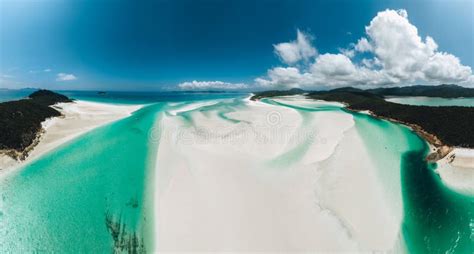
446, 68
404, 54
65, 77
295, 51
333, 65
469, 82
393, 51
370, 63
38, 71
211, 85
281, 77
7, 76
347, 52
363, 45
329, 70
401, 12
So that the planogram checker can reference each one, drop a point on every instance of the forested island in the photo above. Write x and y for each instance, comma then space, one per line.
441, 126
442, 91
20, 121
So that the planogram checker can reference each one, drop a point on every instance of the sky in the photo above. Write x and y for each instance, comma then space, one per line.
234, 44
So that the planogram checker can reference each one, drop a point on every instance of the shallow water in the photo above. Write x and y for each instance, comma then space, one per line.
433, 101
10, 95
435, 218
62, 201
148, 97
297, 153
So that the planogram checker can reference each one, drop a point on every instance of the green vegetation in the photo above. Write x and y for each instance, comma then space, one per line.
20, 121
450, 126
442, 91
274, 93
47, 98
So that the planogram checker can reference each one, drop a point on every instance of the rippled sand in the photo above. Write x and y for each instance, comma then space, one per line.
268, 177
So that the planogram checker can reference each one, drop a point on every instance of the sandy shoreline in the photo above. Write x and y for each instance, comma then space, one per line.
262, 178
260, 183
455, 164
78, 118
457, 170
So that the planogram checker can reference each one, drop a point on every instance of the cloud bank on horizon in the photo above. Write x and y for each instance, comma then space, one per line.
392, 53
65, 77
204, 85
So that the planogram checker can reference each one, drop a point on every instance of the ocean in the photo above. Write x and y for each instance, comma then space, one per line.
433, 101
95, 193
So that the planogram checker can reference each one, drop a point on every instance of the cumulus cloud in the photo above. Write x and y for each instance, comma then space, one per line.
363, 45
446, 68
333, 65
285, 77
394, 53
211, 85
347, 52
65, 77
295, 51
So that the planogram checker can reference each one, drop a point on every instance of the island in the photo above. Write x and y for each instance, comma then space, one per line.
441, 91
443, 127
20, 121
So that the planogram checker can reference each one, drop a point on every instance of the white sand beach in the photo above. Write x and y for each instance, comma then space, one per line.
457, 170
279, 180
78, 118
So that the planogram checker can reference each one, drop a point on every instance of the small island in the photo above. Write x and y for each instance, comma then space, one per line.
20, 121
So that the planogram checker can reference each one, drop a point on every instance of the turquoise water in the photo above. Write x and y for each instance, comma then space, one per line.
433, 101
435, 218
225, 107
149, 97
94, 194
117, 97
297, 153
62, 201
9, 95
90, 194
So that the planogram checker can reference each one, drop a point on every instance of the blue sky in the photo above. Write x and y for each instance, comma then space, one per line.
152, 45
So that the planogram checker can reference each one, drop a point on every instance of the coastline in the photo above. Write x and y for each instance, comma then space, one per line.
77, 118
283, 197
456, 170
455, 165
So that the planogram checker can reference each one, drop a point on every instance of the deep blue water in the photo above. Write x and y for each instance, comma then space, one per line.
10, 95
131, 97
149, 97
